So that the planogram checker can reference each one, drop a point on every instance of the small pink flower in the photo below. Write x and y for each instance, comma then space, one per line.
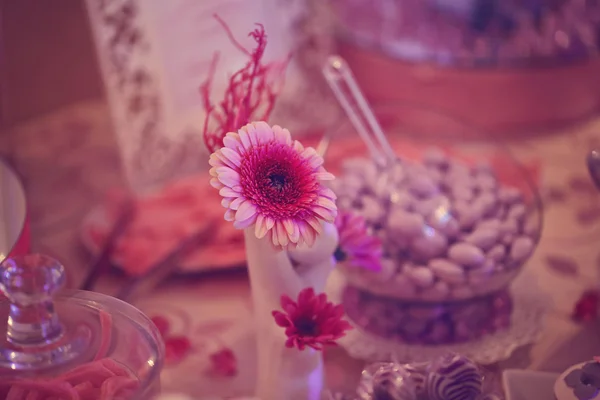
268, 180
357, 247
311, 321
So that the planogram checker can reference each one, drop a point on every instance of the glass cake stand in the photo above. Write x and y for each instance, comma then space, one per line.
514, 67
59, 342
474, 32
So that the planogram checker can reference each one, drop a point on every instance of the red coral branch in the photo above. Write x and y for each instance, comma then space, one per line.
250, 95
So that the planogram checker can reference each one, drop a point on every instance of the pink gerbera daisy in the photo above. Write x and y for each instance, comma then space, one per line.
272, 181
312, 321
357, 247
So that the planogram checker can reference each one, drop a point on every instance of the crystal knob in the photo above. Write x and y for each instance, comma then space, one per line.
30, 282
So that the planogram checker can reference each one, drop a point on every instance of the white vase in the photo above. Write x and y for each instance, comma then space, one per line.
284, 373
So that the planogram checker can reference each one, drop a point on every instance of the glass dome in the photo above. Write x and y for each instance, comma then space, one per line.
71, 344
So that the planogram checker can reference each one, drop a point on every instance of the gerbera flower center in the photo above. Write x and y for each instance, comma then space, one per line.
277, 181
307, 326
340, 255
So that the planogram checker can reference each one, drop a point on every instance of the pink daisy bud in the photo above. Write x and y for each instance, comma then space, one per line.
357, 247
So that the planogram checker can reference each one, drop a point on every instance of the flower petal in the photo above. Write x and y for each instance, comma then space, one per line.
289, 226
245, 138
264, 133
287, 304
282, 135
314, 224
228, 192
295, 235
232, 156
313, 158
219, 160
226, 202
324, 176
325, 214
229, 178
216, 159
245, 210
229, 215
282, 236
326, 203
326, 192
260, 229
243, 224
214, 182
306, 295
270, 223
309, 235
235, 204
274, 238
232, 141
281, 319
297, 146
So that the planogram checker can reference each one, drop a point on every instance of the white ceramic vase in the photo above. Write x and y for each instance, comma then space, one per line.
284, 373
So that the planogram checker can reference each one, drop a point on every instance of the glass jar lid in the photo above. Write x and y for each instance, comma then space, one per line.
71, 338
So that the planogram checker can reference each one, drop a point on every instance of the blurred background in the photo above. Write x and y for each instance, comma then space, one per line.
100, 101
49, 58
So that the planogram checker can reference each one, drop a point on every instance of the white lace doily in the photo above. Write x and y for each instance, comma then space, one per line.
529, 308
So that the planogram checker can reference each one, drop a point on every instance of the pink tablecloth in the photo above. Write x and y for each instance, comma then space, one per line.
69, 159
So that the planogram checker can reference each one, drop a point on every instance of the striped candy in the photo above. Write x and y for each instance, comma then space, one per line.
454, 377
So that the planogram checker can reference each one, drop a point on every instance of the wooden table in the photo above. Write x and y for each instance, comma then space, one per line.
69, 159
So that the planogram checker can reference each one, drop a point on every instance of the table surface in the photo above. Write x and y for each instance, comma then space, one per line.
69, 160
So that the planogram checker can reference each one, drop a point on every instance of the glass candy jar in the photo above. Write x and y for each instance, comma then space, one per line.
71, 344
456, 219
513, 66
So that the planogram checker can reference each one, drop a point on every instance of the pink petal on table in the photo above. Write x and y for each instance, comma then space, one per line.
176, 349
562, 264
224, 363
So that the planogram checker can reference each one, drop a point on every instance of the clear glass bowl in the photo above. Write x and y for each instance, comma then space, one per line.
457, 219
63, 341
473, 32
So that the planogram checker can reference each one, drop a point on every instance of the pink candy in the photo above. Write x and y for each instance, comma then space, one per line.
99, 380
